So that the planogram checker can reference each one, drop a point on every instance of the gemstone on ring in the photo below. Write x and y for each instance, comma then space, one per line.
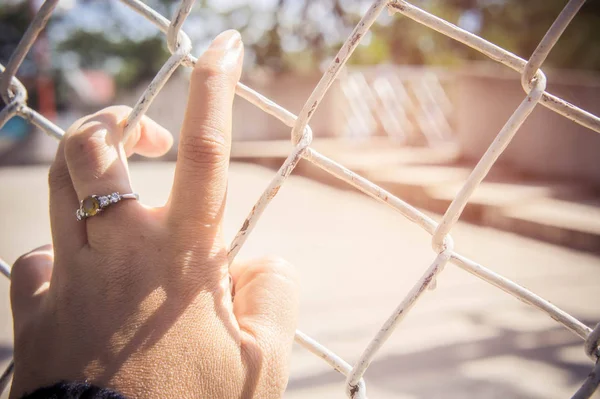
104, 201
90, 205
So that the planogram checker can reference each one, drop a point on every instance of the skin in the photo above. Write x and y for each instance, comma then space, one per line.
138, 299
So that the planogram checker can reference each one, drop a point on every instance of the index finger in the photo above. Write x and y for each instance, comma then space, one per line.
84, 166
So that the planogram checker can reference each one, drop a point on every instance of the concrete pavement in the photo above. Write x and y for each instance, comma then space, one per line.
357, 259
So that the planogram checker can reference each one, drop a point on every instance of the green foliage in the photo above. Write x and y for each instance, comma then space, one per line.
140, 60
515, 25
316, 29
13, 23
377, 52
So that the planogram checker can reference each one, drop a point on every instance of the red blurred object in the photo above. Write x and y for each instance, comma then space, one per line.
44, 83
46, 103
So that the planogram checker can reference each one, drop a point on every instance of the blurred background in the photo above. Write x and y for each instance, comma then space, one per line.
412, 111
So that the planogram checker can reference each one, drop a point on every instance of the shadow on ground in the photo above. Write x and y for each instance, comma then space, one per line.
439, 372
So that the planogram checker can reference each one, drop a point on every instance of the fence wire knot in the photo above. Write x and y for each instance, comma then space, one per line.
533, 80
592, 344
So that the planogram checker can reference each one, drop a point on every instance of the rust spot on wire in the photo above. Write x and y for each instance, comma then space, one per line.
312, 109
245, 226
426, 282
398, 6
274, 192
288, 169
247, 222
355, 39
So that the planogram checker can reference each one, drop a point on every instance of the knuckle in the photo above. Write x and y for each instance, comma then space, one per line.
87, 144
206, 149
115, 110
114, 117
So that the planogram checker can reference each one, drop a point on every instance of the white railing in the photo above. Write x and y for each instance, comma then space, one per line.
407, 104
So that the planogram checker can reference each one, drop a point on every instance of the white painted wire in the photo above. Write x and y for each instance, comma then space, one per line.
534, 83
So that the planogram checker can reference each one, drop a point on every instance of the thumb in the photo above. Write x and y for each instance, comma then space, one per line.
29, 281
266, 308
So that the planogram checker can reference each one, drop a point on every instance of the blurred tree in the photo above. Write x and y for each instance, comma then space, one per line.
13, 23
513, 24
520, 25
131, 56
301, 34
136, 61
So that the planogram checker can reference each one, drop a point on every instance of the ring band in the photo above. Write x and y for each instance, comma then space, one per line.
94, 204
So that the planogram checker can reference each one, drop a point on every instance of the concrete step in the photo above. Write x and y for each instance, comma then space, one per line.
561, 212
434, 187
356, 155
571, 223
490, 196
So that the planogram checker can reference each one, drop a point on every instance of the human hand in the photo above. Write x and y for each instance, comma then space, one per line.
138, 299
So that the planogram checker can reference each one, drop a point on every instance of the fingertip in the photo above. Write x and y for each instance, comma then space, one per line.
221, 60
224, 48
226, 36
154, 141
167, 139
148, 138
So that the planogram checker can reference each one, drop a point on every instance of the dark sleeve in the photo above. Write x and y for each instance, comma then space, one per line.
73, 390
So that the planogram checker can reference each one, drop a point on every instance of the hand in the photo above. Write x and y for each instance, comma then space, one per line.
138, 299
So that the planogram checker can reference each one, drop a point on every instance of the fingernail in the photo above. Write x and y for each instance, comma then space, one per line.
226, 40
229, 45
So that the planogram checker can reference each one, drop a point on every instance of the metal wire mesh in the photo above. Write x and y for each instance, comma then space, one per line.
534, 84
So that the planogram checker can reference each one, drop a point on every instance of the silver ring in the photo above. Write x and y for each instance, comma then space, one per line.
94, 204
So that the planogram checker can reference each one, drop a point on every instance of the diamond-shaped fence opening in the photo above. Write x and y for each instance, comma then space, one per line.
534, 84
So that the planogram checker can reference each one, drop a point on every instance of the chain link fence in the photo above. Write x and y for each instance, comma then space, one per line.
534, 84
